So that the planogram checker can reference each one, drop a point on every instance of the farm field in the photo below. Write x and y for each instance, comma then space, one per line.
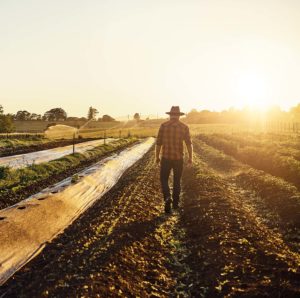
17, 184
236, 234
14, 146
150, 128
46, 214
26, 143
278, 155
37, 157
143, 128
37, 126
150, 149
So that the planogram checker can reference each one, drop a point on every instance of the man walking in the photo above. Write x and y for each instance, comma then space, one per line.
170, 138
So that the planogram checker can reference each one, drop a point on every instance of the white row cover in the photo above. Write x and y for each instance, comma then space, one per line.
24, 232
23, 160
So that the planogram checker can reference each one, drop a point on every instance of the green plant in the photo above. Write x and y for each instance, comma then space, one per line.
75, 178
4, 172
16, 180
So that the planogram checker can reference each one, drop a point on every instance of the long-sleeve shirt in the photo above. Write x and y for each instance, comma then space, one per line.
170, 136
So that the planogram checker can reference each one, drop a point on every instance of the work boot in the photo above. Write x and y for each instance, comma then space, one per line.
168, 206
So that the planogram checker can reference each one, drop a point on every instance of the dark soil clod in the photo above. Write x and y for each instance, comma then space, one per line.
21, 207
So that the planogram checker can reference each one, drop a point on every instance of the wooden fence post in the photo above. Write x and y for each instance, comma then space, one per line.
74, 143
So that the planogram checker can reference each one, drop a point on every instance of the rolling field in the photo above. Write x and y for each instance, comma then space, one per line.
236, 234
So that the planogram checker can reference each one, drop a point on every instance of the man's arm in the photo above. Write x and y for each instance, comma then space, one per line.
158, 145
157, 152
190, 152
189, 145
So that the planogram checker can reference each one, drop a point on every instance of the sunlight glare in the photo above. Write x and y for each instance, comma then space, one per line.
251, 89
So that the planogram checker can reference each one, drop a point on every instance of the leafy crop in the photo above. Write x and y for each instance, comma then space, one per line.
262, 154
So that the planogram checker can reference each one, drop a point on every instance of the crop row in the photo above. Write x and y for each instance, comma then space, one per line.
228, 235
283, 144
279, 195
10, 147
14, 182
268, 158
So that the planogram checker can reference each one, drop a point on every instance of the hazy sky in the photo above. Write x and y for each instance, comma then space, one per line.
126, 56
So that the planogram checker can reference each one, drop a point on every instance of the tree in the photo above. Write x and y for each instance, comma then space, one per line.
92, 113
22, 116
56, 114
137, 117
107, 118
35, 116
6, 123
72, 118
1, 110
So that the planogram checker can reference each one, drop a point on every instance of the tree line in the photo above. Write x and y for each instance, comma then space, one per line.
57, 114
53, 115
194, 116
232, 115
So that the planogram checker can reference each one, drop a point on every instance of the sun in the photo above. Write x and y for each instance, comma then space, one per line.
252, 91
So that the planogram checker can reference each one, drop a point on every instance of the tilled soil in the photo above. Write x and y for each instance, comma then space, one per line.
233, 253
271, 200
124, 246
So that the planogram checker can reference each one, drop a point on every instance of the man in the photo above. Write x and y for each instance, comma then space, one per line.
170, 138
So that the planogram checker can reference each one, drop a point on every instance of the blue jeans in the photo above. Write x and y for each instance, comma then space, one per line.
166, 166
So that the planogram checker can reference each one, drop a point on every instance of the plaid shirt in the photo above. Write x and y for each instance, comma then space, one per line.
170, 136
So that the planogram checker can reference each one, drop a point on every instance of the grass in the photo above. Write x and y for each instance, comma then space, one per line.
20, 142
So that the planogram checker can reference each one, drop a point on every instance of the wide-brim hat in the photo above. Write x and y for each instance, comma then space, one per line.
175, 110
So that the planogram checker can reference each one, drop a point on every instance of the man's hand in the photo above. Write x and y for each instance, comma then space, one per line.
157, 154
157, 160
190, 151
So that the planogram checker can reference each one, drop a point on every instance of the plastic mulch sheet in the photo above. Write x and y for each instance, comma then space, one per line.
26, 227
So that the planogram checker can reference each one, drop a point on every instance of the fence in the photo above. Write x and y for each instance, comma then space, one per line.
281, 126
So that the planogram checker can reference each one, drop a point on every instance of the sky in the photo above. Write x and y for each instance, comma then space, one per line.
127, 56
